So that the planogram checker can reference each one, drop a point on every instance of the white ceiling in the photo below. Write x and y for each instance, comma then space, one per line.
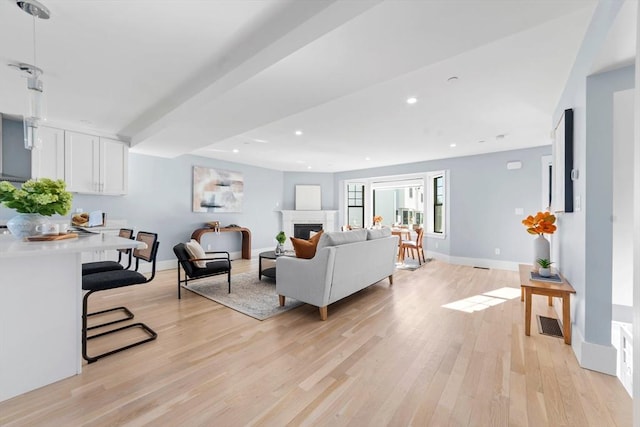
207, 77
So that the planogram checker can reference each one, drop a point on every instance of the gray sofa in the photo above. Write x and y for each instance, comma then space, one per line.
344, 263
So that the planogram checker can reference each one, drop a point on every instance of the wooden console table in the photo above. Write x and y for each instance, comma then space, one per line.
562, 290
246, 237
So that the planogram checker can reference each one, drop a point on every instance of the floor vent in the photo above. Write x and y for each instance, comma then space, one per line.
481, 268
549, 326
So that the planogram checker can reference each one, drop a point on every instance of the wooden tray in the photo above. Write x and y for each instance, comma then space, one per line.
49, 237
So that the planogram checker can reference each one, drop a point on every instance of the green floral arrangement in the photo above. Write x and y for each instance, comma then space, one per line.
42, 196
281, 237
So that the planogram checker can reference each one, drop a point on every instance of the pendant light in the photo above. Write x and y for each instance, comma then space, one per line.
35, 103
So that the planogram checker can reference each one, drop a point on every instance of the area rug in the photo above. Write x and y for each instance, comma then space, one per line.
411, 264
250, 296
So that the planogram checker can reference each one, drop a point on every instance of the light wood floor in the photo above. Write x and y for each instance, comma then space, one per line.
386, 356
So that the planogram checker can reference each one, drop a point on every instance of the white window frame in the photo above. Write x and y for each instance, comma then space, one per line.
430, 203
427, 178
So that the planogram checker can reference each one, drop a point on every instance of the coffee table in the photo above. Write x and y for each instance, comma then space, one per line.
269, 271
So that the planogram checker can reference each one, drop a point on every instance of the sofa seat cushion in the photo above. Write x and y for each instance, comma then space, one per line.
306, 248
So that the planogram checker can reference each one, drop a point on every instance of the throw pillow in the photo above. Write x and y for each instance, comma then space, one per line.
306, 248
196, 252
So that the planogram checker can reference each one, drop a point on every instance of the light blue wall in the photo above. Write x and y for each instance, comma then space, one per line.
585, 235
483, 198
598, 203
325, 180
160, 195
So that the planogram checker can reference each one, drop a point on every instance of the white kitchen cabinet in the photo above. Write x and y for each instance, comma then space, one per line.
47, 158
95, 165
114, 166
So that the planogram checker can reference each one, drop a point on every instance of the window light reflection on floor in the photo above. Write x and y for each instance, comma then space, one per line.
484, 301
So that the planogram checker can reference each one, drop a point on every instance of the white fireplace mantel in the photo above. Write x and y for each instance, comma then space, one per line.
328, 219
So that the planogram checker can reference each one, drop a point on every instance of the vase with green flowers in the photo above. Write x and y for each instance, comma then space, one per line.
34, 200
281, 238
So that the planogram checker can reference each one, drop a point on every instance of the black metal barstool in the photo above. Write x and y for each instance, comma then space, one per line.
117, 279
101, 266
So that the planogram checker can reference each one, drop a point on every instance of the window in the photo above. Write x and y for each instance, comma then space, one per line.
437, 203
355, 205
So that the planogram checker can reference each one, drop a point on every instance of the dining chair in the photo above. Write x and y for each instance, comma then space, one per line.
414, 246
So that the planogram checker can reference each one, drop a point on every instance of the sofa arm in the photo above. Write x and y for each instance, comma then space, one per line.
307, 280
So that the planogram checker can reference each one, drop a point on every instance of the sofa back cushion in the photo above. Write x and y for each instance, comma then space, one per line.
338, 238
378, 234
306, 248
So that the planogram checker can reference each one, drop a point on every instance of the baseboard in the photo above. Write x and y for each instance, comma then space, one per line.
169, 264
485, 263
595, 357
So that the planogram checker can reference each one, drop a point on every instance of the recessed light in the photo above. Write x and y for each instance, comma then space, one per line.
481, 141
264, 141
308, 167
501, 136
367, 158
452, 79
235, 150
412, 100
298, 132
452, 145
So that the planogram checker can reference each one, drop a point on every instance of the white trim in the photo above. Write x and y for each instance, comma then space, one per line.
485, 263
595, 357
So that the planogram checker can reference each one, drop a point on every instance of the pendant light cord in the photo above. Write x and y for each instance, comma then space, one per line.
35, 63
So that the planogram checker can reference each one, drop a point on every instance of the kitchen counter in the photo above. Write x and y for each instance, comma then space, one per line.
41, 309
12, 248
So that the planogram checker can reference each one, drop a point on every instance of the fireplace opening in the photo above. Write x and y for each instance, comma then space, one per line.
303, 231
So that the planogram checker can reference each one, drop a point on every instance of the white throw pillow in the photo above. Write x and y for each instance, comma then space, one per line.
195, 251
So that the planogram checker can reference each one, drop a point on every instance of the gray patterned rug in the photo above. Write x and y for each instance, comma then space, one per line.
250, 296
411, 264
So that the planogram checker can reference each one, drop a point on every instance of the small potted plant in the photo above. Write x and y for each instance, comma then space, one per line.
281, 238
544, 267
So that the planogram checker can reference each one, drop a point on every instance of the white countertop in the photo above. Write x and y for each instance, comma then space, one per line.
11, 247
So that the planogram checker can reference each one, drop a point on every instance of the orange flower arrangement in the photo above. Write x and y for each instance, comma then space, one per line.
540, 224
377, 219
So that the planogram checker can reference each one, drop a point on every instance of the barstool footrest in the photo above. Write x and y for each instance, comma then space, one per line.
152, 336
129, 315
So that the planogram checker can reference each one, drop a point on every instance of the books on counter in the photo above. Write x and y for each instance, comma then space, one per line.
554, 278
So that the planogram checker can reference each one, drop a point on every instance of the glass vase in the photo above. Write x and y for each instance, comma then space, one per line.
279, 249
24, 224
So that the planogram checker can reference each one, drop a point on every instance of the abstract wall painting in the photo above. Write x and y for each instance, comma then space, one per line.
217, 190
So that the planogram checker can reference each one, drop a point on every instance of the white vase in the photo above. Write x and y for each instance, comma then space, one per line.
541, 249
544, 272
24, 224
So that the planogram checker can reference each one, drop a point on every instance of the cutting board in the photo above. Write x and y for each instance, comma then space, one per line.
49, 237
